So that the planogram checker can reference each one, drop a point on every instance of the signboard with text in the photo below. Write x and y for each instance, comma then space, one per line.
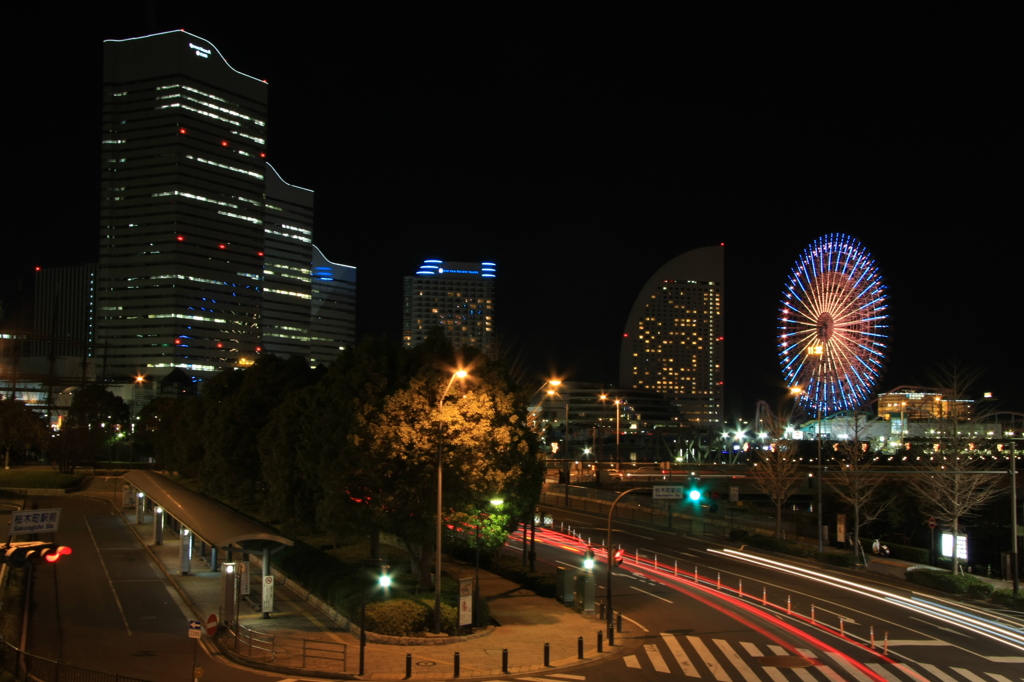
35, 521
268, 594
465, 601
668, 492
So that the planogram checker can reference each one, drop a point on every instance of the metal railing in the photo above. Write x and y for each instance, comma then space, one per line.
314, 654
25, 667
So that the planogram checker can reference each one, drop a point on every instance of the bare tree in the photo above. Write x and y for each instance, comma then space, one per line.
953, 486
854, 484
775, 472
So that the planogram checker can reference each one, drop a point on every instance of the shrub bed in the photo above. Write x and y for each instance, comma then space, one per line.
38, 478
907, 553
954, 584
397, 617
1004, 597
511, 569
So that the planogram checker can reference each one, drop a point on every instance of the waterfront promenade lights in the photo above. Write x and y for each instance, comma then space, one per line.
496, 503
460, 374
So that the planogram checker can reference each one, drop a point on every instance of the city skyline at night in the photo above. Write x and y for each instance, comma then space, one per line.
582, 168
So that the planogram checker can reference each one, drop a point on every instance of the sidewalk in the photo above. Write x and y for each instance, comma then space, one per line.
524, 622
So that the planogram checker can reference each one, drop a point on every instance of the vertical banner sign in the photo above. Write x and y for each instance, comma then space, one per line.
734, 493
268, 594
243, 577
840, 527
465, 601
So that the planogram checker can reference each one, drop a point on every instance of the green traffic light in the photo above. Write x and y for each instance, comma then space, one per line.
695, 495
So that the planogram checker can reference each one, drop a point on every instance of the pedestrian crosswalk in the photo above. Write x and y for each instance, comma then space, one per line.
709, 658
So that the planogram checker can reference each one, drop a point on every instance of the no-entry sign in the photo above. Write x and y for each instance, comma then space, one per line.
211, 624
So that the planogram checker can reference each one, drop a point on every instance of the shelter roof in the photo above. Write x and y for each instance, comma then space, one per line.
207, 518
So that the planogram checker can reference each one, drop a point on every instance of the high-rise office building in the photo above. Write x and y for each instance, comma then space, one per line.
674, 338
457, 297
65, 299
332, 326
205, 252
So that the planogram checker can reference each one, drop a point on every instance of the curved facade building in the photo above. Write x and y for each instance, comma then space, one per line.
673, 342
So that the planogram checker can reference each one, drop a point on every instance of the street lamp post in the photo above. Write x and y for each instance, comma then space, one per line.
611, 565
618, 411
384, 580
461, 374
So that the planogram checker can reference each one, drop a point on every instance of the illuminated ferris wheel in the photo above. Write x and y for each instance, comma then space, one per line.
833, 324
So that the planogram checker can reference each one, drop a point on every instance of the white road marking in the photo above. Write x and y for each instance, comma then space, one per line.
1005, 659
568, 677
772, 671
998, 678
677, 652
634, 623
103, 564
847, 666
651, 594
968, 674
802, 673
917, 642
656, 659
881, 670
941, 676
708, 659
807, 653
736, 661
631, 661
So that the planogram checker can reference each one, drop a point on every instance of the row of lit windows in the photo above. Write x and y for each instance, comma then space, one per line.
225, 166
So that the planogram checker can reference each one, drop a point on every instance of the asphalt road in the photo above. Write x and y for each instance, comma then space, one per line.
682, 616
108, 608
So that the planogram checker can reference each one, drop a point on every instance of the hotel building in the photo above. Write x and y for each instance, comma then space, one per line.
457, 297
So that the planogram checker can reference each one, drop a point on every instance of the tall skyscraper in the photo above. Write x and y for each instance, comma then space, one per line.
457, 297
205, 252
332, 326
65, 299
674, 337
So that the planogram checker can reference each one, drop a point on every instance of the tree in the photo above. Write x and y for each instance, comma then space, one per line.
854, 483
952, 486
775, 473
483, 443
20, 427
94, 408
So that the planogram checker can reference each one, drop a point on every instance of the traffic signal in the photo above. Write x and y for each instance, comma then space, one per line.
18, 554
588, 559
620, 555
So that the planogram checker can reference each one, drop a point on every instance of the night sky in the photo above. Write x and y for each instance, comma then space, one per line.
582, 155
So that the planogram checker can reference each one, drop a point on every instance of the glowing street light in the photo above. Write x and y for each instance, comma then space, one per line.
460, 374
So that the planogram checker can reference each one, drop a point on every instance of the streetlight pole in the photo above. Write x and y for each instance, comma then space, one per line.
461, 374
611, 564
1013, 519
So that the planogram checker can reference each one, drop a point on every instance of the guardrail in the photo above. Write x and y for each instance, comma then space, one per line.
23, 666
288, 651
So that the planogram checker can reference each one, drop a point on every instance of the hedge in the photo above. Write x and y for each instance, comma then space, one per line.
918, 555
954, 584
1004, 597
397, 617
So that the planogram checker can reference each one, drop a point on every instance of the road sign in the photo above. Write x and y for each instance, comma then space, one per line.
668, 492
34, 521
268, 594
195, 629
734, 493
242, 571
932, 522
211, 624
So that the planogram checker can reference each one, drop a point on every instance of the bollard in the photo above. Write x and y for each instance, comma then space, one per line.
561, 527
457, 664
812, 613
675, 571
408, 666
600, 642
655, 562
579, 648
872, 636
611, 632
547, 655
789, 605
600, 616
719, 580
741, 589
764, 596
696, 576
885, 646
842, 628
504, 661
